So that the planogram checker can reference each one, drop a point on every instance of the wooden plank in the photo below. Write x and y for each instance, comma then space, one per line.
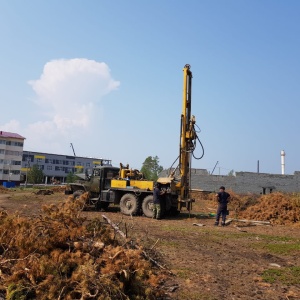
251, 221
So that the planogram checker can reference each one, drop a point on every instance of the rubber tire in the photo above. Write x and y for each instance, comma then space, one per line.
147, 206
76, 195
129, 204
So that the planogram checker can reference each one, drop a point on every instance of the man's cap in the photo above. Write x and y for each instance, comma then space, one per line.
222, 187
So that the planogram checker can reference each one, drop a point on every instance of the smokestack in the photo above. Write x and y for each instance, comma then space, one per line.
282, 154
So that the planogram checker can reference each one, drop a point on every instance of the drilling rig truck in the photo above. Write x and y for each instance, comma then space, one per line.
130, 190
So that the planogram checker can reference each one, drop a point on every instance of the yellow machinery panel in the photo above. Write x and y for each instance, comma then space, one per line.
142, 184
138, 184
115, 183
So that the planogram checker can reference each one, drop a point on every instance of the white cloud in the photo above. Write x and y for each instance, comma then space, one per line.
66, 95
68, 89
11, 126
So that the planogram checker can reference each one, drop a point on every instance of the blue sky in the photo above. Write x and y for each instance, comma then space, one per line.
107, 76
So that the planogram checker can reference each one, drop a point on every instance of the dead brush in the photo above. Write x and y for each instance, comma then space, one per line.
61, 255
278, 208
3, 190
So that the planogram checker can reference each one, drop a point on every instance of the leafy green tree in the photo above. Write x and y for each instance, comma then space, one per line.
71, 177
231, 173
151, 168
35, 175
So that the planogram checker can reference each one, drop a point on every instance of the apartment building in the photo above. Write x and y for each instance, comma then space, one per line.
11, 150
56, 167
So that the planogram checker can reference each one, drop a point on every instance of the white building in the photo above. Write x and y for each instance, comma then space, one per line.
11, 150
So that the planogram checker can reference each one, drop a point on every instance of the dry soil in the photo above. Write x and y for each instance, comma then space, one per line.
206, 262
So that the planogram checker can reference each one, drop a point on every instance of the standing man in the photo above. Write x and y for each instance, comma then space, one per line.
157, 201
223, 198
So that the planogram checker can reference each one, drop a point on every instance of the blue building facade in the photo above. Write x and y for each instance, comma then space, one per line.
56, 167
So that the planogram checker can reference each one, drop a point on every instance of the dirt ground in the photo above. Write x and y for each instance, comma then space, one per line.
206, 262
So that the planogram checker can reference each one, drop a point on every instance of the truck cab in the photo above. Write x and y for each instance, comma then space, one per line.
97, 185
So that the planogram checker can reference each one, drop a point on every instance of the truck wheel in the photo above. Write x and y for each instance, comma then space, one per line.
129, 204
147, 206
77, 195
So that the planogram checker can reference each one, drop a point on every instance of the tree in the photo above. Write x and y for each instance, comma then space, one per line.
71, 177
35, 175
231, 173
151, 168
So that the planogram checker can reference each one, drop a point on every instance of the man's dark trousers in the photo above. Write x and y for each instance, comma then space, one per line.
222, 211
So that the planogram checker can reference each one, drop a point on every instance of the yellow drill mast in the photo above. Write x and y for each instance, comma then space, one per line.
187, 137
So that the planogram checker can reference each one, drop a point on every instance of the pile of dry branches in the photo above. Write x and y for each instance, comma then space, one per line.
238, 202
61, 255
278, 208
3, 189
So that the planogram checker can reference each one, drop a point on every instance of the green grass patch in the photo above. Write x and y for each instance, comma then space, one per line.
274, 238
179, 228
184, 273
277, 244
287, 248
169, 243
287, 276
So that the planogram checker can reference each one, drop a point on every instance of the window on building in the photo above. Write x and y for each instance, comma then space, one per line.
49, 168
68, 170
88, 164
39, 160
18, 144
27, 157
8, 152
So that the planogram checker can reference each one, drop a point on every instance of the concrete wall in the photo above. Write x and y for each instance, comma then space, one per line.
247, 182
